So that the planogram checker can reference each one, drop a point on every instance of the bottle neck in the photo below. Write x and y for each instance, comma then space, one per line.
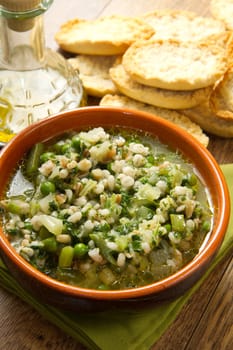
22, 44
22, 50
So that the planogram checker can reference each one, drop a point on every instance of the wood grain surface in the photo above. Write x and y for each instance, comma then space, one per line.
206, 321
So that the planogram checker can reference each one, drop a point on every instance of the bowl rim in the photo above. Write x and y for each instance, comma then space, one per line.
200, 260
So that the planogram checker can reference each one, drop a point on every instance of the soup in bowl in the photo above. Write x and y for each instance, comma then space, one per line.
104, 206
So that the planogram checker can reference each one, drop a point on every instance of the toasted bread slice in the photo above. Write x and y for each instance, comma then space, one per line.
223, 10
209, 121
172, 116
156, 96
176, 65
110, 35
182, 25
221, 99
94, 73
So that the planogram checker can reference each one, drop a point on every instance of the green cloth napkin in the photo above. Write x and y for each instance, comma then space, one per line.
130, 330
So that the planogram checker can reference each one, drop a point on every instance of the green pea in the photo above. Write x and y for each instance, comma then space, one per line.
151, 159
66, 256
47, 187
206, 226
168, 227
80, 249
50, 244
192, 180
65, 148
58, 146
46, 156
76, 142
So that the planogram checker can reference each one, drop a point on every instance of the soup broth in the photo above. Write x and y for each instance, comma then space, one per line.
106, 209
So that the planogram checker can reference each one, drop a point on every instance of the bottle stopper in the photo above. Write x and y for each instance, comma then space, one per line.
19, 5
20, 13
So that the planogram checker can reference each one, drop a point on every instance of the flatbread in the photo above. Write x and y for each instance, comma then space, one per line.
109, 35
223, 10
175, 65
182, 25
94, 73
221, 98
156, 96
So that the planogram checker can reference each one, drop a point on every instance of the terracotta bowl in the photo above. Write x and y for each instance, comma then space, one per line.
74, 298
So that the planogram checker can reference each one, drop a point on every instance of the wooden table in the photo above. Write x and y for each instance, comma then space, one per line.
205, 323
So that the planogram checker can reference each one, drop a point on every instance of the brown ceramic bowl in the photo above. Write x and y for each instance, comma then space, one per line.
74, 298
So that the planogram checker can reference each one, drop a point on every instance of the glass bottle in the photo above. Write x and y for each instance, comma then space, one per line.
35, 81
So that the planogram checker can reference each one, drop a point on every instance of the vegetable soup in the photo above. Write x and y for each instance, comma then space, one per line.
106, 209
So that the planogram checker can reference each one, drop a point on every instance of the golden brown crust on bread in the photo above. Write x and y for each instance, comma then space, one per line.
174, 65
210, 122
156, 96
94, 73
176, 77
182, 25
223, 10
221, 98
110, 35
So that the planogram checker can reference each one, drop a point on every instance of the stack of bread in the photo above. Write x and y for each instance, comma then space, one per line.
174, 64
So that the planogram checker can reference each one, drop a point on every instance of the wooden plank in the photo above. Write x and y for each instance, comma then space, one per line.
222, 149
133, 8
183, 331
22, 328
217, 334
